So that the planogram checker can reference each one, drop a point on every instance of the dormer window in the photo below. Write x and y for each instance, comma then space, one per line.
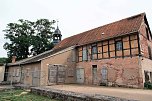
119, 45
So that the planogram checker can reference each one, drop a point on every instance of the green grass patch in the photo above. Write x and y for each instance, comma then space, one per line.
21, 95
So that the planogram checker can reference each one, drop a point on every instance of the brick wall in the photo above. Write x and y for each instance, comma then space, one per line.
120, 71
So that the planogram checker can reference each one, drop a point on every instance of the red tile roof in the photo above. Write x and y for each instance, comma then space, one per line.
118, 28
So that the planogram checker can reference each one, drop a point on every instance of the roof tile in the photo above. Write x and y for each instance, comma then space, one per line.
118, 28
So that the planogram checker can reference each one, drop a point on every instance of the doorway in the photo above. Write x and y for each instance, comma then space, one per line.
104, 75
94, 75
80, 75
56, 74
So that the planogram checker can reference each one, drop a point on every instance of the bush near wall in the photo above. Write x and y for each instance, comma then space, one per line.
148, 85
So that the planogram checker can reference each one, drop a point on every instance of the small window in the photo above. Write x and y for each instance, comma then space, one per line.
119, 45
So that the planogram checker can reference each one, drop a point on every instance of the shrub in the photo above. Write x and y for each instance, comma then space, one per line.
148, 85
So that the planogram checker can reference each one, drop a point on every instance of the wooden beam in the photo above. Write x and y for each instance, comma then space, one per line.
115, 48
102, 49
122, 47
138, 39
108, 50
130, 46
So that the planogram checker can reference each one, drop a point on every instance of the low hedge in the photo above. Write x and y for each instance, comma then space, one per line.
148, 85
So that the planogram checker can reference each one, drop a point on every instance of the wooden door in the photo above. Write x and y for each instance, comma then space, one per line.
56, 74
35, 77
80, 75
104, 75
52, 74
60, 74
94, 74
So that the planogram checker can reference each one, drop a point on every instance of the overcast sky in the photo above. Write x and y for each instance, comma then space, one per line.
74, 16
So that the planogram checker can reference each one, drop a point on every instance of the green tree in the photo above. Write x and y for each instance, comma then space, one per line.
42, 41
28, 38
3, 60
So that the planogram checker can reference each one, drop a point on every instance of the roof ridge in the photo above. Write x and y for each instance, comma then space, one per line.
123, 26
106, 24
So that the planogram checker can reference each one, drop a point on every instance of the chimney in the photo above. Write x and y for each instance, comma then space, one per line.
13, 59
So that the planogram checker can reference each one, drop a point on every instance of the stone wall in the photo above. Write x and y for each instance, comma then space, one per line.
73, 96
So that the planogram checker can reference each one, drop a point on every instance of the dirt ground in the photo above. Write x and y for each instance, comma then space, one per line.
136, 94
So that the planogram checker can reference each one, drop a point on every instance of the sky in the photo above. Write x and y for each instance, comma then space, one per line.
74, 16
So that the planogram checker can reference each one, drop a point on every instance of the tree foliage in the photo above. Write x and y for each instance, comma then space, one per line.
28, 38
3, 60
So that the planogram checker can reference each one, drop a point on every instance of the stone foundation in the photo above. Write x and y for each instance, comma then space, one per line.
73, 96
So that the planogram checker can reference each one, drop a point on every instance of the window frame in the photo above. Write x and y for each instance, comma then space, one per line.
119, 46
94, 52
84, 53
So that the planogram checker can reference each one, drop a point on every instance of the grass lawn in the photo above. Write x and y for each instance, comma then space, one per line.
21, 95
